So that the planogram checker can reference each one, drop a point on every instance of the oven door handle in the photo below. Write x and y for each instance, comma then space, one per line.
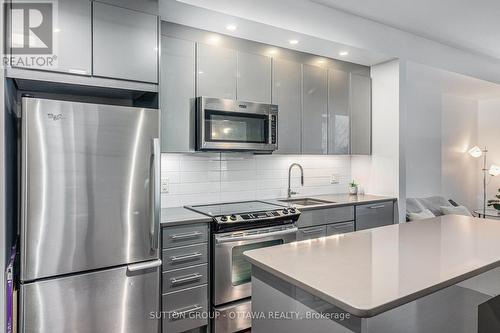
257, 236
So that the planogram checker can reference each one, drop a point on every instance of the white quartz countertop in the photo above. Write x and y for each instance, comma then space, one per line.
371, 271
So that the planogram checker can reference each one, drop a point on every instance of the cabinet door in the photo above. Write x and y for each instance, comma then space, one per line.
177, 95
374, 215
287, 95
338, 112
72, 42
314, 111
311, 233
216, 72
361, 122
254, 78
125, 44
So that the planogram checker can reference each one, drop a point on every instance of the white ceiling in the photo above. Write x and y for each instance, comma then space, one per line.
466, 24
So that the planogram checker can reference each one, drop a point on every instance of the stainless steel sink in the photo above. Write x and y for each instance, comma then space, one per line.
305, 201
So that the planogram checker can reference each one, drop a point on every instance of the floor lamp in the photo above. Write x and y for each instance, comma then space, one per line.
494, 170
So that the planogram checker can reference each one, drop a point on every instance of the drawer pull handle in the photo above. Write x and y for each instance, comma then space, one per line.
185, 257
315, 231
186, 278
342, 226
186, 235
377, 206
181, 313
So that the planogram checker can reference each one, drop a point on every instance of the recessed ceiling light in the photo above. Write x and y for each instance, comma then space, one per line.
231, 27
293, 41
343, 53
321, 61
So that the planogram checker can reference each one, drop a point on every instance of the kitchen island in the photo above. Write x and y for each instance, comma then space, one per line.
438, 275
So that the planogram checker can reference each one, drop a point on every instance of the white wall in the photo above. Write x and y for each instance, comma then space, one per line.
379, 173
422, 134
208, 178
489, 136
440, 128
459, 171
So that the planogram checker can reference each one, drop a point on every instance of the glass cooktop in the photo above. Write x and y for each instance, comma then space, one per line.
235, 208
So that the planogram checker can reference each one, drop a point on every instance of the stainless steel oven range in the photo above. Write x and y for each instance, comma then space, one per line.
239, 227
225, 124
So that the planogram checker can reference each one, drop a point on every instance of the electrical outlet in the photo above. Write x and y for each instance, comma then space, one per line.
164, 185
334, 179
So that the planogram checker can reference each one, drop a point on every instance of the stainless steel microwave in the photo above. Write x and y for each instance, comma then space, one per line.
229, 125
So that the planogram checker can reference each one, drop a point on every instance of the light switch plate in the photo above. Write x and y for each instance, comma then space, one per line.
164, 185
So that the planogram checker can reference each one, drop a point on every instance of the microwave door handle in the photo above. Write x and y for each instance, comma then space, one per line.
155, 194
257, 236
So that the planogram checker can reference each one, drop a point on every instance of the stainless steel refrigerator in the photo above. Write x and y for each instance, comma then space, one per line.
89, 218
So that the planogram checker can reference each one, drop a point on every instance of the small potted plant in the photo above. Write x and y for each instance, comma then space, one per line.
495, 202
353, 187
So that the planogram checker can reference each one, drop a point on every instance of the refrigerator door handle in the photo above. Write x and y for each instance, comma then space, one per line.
144, 265
155, 197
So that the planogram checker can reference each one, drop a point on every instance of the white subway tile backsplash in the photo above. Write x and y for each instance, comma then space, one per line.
213, 177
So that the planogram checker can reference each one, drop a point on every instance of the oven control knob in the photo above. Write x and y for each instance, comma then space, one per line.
292, 210
233, 217
223, 219
285, 211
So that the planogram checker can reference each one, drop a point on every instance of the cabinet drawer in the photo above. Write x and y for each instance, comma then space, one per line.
184, 235
311, 232
326, 216
374, 215
182, 307
185, 256
339, 228
184, 278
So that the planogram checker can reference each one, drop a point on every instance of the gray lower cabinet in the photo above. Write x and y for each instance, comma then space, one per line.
360, 109
311, 232
125, 43
177, 95
184, 278
314, 110
374, 215
338, 112
253, 78
72, 38
216, 71
323, 216
339, 228
287, 95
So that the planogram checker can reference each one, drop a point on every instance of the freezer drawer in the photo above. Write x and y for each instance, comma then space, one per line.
115, 300
185, 309
87, 199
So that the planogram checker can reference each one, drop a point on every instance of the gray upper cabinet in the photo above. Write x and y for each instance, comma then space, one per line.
287, 95
360, 100
338, 112
314, 110
72, 38
125, 43
177, 95
216, 71
254, 78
